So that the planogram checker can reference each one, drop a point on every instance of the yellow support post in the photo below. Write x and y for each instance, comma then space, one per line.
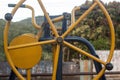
55, 62
28, 74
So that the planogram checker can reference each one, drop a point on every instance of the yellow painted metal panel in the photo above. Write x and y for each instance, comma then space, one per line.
25, 57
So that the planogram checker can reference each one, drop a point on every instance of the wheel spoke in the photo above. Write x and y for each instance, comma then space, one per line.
56, 62
84, 53
31, 44
48, 18
59, 39
99, 74
79, 20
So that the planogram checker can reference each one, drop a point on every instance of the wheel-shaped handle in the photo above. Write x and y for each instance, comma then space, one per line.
59, 40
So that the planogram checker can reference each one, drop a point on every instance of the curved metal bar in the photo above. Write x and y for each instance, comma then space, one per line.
33, 17
7, 53
111, 29
98, 66
33, 13
17, 6
83, 52
112, 37
73, 13
6, 41
63, 36
82, 40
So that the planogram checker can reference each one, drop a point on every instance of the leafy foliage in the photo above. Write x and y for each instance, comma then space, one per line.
95, 27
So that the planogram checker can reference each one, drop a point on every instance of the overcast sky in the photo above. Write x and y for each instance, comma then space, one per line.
54, 7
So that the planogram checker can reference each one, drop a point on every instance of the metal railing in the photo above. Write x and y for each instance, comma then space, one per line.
65, 74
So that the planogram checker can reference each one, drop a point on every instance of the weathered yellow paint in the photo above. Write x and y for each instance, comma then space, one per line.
25, 51
25, 57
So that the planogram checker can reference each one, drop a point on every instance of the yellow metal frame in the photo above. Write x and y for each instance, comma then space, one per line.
76, 8
57, 47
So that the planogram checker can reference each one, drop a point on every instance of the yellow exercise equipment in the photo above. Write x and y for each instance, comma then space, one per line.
25, 51
25, 57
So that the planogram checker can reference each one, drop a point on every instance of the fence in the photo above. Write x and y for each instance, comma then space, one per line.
44, 68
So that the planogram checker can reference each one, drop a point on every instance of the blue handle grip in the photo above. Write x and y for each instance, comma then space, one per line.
13, 5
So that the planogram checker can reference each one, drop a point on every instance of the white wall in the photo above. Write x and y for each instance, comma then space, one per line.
115, 60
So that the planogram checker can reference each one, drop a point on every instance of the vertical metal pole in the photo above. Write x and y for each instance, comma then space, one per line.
28, 74
46, 28
59, 69
12, 75
64, 23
